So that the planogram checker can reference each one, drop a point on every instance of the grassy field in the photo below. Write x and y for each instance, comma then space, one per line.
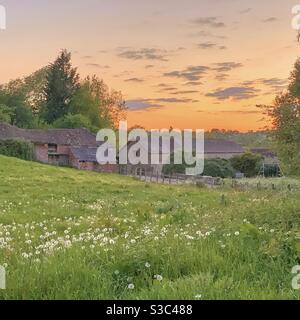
67, 234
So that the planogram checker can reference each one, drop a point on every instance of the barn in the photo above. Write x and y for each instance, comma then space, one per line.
63, 147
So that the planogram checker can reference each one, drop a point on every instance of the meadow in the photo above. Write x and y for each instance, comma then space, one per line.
68, 234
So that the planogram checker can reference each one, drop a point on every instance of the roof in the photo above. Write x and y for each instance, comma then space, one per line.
267, 153
216, 146
75, 137
87, 154
222, 146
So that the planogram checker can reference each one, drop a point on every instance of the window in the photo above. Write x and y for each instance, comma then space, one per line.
52, 148
140, 172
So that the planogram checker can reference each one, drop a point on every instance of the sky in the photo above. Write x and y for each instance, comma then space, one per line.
198, 64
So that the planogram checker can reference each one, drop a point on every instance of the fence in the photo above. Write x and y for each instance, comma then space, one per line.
179, 179
237, 184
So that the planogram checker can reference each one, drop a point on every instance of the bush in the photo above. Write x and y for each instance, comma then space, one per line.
17, 148
248, 163
218, 168
213, 167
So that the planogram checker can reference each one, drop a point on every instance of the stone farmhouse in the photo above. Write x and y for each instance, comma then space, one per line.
213, 149
77, 148
64, 147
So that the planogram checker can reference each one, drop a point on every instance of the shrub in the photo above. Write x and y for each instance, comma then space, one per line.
248, 163
218, 168
17, 148
213, 167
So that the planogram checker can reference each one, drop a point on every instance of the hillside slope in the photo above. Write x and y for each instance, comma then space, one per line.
72, 234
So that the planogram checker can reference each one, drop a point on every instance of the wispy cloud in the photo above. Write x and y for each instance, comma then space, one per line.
193, 83
271, 19
139, 104
191, 73
143, 54
210, 45
208, 21
245, 11
235, 93
182, 92
137, 80
226, 66
276, 84
96, 65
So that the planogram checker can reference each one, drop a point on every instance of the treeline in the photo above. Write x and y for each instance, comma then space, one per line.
56, 97
249, 140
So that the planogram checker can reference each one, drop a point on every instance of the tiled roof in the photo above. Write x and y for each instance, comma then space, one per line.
84, 153
74, 137
210, 146
222, 146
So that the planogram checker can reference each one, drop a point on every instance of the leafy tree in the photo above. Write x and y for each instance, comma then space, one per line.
12, 96
85, 104
62, 81
72, 121
5, 113
285, 115
33, 88
111, 106
248, 163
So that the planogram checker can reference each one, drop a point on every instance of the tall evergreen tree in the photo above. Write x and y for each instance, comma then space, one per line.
61, 84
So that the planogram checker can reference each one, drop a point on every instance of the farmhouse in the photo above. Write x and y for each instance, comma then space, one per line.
78, 147
65, 147
213, 149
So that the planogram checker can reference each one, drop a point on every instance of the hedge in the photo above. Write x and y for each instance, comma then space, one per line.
17, 148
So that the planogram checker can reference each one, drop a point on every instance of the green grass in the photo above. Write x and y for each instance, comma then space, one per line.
68, 234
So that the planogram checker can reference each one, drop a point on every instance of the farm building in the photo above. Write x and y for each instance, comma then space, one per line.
84, 158
65, 147
213, 149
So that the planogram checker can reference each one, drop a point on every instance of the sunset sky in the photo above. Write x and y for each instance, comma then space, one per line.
181, 63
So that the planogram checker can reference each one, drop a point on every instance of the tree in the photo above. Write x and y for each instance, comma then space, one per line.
112, 107
5, 113
62, 81
248, 163
86, 104
285, 115
12, 96
71, 121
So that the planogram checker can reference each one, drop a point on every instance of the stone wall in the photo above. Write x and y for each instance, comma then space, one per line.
41, 152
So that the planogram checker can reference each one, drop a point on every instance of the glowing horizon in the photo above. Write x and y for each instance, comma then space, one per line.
197, 64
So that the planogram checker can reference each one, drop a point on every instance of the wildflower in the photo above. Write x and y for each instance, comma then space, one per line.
272, 230
158, 277
198, 296
236, 233
131, 286
117, 272
147, 265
